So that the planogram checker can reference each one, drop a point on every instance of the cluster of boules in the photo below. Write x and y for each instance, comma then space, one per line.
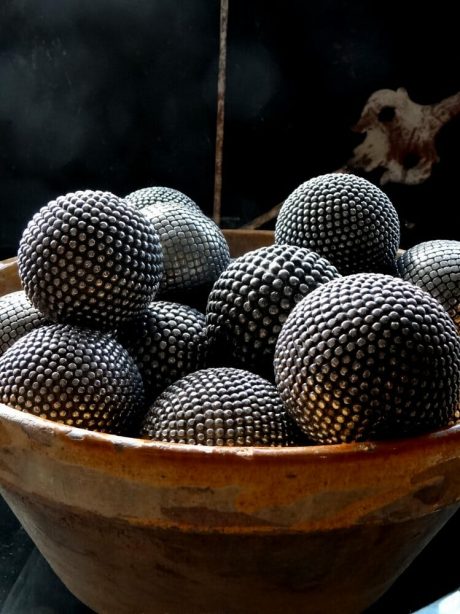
134, 320
76, 340
356, 352
368, 355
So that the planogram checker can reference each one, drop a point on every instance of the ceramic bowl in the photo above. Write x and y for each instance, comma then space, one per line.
136, 526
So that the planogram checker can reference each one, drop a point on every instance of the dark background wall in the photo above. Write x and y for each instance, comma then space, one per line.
119, 94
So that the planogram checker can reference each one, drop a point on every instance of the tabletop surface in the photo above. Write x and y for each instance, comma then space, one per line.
29, 586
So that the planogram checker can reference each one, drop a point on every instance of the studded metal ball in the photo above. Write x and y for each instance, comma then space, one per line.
194, 249
434, 266
17, 317
89, 258
79, 377
167, 342
220, 407
252, 299
368, 356
158, 196
346, 219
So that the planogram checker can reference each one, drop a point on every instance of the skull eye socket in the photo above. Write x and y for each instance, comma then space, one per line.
410, 160
386, 114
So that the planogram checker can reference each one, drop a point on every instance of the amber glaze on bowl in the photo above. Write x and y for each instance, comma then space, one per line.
142, 527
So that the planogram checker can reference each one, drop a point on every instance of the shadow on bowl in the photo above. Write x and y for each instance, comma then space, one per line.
137, 526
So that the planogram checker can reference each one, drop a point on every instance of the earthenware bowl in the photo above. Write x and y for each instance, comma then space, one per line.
132, 526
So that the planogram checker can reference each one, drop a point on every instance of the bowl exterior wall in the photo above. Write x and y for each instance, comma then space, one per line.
117, 567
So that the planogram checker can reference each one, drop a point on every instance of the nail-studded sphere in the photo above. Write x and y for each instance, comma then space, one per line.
368, 356
434, 266
91, 259
17, 317
221, 407
195, 251
79, 377
167, 342
252, 299
346, 219
158, 196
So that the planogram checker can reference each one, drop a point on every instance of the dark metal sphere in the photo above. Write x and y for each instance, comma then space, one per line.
220, 407
346, 219
89, 258
434, 266
167, 342
76, 376
368, 356
17, 317
252, 299
194, 249
158, 196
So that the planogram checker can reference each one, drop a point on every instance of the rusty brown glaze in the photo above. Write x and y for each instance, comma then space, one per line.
140, 526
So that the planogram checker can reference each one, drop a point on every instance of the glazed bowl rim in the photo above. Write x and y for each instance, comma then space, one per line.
32, 424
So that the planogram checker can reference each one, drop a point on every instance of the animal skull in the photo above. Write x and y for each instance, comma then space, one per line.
400, 135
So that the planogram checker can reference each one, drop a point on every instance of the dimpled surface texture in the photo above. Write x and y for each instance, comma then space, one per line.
252, 299
194, 249
167, 342
368, 356
220, 407
434, 266
346, 219
76, 376
17, 317
159, 195
89, 258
